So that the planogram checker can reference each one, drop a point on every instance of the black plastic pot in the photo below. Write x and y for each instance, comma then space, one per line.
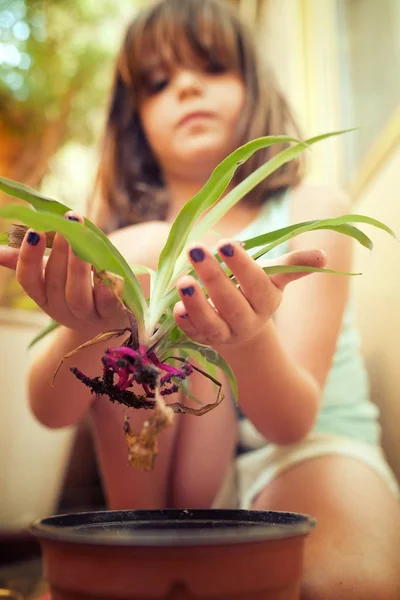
174, 554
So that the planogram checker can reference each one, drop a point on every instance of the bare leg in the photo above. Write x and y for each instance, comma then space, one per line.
354, 553
205, 447
125, 486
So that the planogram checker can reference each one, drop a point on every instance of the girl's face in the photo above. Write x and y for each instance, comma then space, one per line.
189, 117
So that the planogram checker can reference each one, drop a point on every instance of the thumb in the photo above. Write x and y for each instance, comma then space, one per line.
9, 257
306, 258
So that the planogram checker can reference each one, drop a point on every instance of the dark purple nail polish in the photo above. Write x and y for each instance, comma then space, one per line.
33, 238
227, 250
197, 254
188, 291
72, 218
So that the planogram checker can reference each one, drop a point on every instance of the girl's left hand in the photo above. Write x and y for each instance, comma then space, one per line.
233, 315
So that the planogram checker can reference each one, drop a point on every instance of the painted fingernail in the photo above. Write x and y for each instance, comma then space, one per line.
197, 254
72, 218
33, 238
188, 291
227, 250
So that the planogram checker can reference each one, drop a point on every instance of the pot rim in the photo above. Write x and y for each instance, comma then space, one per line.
68, 527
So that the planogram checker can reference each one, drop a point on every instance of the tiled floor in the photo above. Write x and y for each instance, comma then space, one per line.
24, 577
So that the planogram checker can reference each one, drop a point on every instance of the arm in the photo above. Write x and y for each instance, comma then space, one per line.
321, 298
277, 394
296, 353
280, 367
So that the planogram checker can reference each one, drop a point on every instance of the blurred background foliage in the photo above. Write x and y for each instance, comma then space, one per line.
55, 64
56, 60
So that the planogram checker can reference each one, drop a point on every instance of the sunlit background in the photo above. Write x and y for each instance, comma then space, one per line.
55, 61
339, 63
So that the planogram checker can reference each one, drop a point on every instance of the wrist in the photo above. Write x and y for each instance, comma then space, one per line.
249, 346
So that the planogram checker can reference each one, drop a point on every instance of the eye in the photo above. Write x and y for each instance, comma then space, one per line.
156, 80
214, 67
157, 85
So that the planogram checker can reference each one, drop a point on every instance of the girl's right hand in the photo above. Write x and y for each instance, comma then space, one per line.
62, 284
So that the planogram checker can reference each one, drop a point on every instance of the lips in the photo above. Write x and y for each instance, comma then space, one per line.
194, 115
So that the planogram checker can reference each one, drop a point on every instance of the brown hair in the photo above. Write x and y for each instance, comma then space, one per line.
129, 186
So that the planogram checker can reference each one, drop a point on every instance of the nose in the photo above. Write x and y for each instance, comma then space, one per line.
188, 83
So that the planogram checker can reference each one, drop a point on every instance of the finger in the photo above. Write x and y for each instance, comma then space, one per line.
184, 322
256, 287
29, 268
308, 258
203, 316
9, 257
228, 300
56, 275
79, 287
105, 302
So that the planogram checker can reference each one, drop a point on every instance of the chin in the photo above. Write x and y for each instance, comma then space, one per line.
207, 152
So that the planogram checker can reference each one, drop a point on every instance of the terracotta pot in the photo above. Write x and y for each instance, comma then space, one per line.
174, 555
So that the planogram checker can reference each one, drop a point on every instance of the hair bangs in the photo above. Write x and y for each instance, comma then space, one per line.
191, 34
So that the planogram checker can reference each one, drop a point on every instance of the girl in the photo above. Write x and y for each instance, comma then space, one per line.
188, 89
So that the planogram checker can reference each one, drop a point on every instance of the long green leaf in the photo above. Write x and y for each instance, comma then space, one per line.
335, 224
259, 240
143, 270
248, 184
272, 236
88, 246
356, 218
43, 204
243, 188
273, 269
38, 201
206, 197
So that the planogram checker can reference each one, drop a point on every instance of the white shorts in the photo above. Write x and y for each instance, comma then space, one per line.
255, 469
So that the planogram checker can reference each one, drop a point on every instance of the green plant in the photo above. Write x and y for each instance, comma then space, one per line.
153, 339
